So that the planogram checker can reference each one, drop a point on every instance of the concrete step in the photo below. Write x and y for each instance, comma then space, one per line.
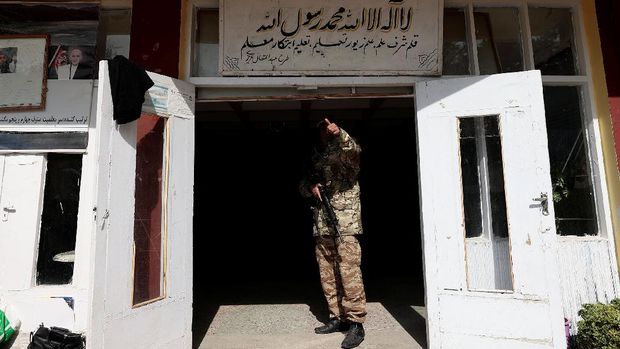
277, 326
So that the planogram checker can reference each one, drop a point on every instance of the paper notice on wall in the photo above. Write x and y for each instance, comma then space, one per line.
156, 100
169, 97
22, 73
69, 105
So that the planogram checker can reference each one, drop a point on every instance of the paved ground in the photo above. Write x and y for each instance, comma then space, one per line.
282, 315
277, 326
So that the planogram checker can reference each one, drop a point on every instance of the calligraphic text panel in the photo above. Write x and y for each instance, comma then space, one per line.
319, 37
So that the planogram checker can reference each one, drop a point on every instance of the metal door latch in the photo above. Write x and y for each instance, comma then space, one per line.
544, 203
6, 210
104, 218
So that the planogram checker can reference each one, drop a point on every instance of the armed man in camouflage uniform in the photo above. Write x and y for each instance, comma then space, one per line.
335, 165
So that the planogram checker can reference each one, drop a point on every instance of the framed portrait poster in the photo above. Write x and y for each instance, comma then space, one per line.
70, 62
23, 72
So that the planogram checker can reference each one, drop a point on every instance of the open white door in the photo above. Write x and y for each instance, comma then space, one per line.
488, 232
22, 182
141, 275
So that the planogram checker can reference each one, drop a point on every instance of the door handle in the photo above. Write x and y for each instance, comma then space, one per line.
544, 203
6, 210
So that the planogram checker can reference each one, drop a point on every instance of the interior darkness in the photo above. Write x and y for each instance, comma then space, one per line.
253, 239
59, 217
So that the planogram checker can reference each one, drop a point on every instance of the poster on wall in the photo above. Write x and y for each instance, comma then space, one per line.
72, 28
23, 74
71, 62
320, 37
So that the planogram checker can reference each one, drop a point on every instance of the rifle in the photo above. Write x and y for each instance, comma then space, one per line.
329, 210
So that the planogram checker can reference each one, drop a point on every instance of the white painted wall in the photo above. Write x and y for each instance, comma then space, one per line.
588, 274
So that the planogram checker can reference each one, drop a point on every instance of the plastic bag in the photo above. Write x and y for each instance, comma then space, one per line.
8, 326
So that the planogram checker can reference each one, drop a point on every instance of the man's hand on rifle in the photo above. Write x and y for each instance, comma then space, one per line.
315, 191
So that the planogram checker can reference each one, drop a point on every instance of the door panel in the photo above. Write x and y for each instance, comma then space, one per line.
456, 341
22, 182
487, 286
116, 318
443, 213
462, 316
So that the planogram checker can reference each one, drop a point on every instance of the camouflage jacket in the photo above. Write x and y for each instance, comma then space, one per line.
336, 167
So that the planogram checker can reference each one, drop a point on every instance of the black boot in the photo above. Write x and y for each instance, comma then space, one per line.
354, 337
333, 325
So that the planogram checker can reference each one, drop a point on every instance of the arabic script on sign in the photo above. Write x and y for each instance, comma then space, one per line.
303, 36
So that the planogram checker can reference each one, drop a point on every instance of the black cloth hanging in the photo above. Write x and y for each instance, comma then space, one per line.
129, 82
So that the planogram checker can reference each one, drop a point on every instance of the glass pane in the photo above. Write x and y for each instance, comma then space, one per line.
573, 193
496, 177
486, 227
471, 179
455, 49
59, 219
148, 212
498, 37
113, 34
552, 40
207, 43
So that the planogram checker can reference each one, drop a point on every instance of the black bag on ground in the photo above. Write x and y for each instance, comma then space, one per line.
55, 338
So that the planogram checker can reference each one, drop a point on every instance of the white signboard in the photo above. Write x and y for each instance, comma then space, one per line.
68, 108
320, 37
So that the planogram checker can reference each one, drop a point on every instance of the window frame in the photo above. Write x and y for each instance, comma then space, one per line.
197, 6
486, 213
163, 284
582, 81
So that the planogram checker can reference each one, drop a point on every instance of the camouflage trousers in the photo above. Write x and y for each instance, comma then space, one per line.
341, 277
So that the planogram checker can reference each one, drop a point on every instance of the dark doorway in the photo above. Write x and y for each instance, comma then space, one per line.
59, 219
253, 239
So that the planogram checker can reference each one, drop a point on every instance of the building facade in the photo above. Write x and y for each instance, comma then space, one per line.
514, 161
